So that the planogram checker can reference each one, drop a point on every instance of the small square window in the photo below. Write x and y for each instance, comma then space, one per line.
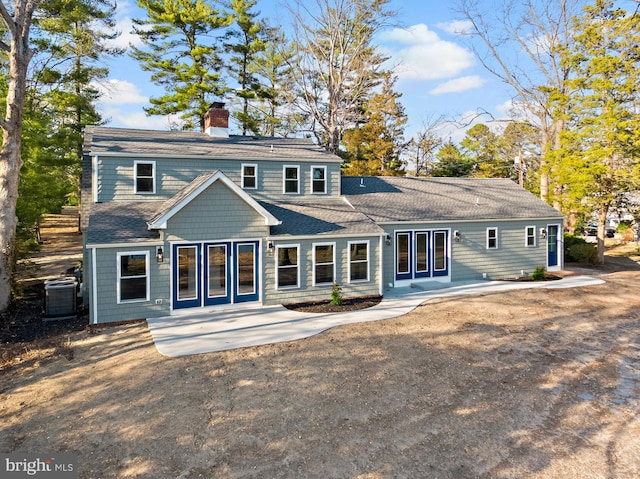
319, 179
133, 277
145, 180
291, 179
492, 238
530, 236
250, 177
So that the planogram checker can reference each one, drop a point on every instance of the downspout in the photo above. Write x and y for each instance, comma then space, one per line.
94, 286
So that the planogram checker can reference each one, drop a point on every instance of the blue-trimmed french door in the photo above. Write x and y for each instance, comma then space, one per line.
421, 254
207, 274
552, 246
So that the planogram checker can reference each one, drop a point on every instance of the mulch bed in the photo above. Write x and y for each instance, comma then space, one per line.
348, 304
23, 329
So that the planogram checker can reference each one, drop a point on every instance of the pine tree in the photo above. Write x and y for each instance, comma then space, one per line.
598, 161
71, 47
182, 55
248, 33
276, 104
380, 141
451, 162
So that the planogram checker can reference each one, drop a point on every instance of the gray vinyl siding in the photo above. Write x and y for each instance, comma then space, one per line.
117, 177
108, 309
470, 258
307, 291
216, 214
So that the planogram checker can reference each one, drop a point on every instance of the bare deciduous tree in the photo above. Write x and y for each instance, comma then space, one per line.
338, 66
425, 144
523, 44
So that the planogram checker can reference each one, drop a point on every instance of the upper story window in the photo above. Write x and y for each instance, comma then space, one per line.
358, 261
492, 238
319, 179
145, 176
133, 274
291, 176
249, 176
530, 236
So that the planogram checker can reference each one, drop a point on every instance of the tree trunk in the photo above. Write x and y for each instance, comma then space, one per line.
19, 56
602, 225
544, 146
10, 164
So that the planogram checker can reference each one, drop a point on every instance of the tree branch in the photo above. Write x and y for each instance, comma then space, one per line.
7, 20
4, 46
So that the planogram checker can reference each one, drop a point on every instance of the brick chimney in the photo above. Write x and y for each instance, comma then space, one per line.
216, 121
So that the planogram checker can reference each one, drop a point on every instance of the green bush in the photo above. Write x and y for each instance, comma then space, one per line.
570, 242
583, 253
336, 295
539, 274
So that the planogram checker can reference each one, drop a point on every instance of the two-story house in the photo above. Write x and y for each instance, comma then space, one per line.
177, 221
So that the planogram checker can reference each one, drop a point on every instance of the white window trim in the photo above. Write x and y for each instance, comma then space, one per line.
526, 237
119, 255
135, 177
284, 179
368, 261
242, 167
333, 259
297, 286
496, 237
318, 167
256, 267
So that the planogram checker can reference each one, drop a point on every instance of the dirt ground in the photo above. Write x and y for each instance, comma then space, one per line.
525, 384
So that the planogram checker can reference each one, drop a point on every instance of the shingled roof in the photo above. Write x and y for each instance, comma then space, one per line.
326, 217
122, 222
180, 144
404, 199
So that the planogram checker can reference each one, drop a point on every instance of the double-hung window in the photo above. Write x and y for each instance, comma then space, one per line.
291, 179
133, 276
288, 271
249, 177
358, 261
324, 264
319, 179
492, 238
530, 236
145, 177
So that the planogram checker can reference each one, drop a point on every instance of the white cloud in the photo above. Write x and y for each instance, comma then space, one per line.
126, 37
120, 92
423, 55
456, 27
515, 110
127, 118
458, 85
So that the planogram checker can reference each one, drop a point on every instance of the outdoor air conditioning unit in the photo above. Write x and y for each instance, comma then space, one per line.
60, 297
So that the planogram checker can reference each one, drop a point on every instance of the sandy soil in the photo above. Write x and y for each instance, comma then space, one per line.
535, 384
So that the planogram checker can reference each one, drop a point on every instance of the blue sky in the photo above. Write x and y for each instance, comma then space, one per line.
438, 74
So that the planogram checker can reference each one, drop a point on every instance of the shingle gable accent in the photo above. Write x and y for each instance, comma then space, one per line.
185, 196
